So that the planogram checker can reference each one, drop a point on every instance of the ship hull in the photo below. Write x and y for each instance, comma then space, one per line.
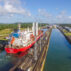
14, 50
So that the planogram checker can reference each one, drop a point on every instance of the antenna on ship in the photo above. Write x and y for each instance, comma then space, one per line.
19, 26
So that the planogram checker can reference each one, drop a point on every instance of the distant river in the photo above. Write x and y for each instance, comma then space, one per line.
59, 53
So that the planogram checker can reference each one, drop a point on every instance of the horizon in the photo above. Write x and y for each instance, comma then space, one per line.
38, 22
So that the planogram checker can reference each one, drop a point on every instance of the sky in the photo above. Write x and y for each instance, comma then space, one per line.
47, 11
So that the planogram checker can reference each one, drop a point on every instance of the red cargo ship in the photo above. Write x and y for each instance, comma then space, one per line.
21, 41
17, 49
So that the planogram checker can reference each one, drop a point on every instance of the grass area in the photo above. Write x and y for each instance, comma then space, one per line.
68, 34
5, 33
65, 31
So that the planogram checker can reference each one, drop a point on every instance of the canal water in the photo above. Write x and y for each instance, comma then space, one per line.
6, 61
59, 53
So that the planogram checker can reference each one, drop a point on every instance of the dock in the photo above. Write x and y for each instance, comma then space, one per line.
28, 62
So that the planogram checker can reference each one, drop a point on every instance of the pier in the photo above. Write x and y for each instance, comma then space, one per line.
28, 62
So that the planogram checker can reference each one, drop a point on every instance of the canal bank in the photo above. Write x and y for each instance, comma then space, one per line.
64, 33
59, 54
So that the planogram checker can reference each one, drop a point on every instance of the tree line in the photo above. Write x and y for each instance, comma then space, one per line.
68, 25
15, 26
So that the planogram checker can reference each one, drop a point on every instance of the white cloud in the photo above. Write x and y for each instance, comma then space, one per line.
14, 2
59, 16
11, 15
69, 17
62, 15
13, 7
56, 8
44, 13
63, 12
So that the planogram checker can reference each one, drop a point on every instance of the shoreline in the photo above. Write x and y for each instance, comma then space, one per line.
67, 37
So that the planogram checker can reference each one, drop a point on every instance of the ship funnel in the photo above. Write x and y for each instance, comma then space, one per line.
35, 28
35, 33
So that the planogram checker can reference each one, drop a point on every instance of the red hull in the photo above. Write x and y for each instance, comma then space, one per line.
14, 50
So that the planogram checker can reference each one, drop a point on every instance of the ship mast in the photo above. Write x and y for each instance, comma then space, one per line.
19, 26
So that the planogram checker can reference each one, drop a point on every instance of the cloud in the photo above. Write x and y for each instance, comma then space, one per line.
13, 7
56, 8
63, 12
62, 15
44, 13
69, 17
14, 2
59, 16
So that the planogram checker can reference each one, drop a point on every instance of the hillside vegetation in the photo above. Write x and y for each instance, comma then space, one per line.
15, 26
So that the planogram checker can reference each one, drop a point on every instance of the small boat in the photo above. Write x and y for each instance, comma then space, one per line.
21, 41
